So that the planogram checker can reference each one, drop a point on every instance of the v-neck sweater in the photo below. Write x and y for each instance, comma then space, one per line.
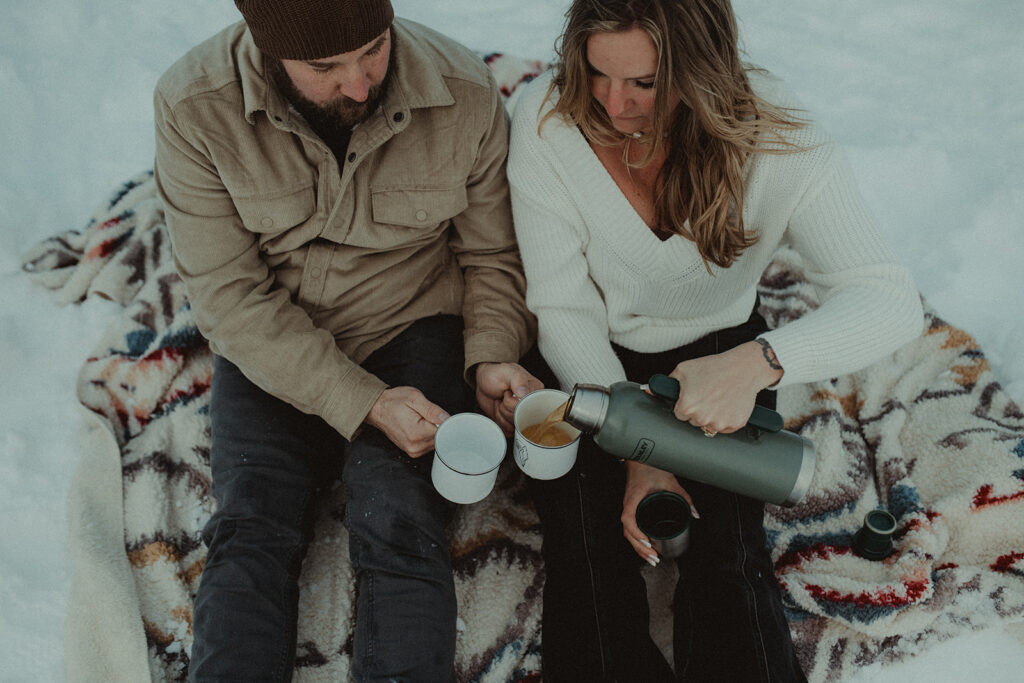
597, 274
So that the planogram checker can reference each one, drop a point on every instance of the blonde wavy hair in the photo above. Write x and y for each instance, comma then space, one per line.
718, 123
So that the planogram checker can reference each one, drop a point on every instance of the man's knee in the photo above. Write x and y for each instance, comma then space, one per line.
391, 504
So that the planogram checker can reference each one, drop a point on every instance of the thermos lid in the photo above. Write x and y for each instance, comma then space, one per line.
587, 407
665, 517
874, 540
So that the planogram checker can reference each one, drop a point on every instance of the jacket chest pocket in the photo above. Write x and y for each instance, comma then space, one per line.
281, 221
403, 216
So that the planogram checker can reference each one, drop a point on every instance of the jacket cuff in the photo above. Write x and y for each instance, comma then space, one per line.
351, 400
489, 347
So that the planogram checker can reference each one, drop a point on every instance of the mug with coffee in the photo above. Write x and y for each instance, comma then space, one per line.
545, 446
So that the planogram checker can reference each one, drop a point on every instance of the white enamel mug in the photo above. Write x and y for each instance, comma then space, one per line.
468, 448
543, 462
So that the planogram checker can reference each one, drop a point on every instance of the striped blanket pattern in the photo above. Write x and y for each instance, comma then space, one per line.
927, 434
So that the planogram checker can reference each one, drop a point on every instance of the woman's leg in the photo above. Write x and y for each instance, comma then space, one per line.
729, 621
595, 620
592, 601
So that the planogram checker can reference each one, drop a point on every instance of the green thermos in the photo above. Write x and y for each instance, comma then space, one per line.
762, 460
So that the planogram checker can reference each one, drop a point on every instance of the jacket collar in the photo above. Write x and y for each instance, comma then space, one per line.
415, 83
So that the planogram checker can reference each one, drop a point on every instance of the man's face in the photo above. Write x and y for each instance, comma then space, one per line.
344, 89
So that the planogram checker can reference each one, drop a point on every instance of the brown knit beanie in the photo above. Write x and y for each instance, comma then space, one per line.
314, 29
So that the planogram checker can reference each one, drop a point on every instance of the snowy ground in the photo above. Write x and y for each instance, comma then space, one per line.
925, 96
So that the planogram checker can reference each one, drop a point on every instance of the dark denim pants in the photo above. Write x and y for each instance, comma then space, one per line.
729, 623
269, 463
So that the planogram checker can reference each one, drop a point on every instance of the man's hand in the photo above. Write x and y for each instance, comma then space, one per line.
407, 418
499, 386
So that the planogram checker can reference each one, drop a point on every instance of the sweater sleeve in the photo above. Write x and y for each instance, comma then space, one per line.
869, 304
571, 315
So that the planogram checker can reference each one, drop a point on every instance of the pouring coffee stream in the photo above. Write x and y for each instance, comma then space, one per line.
547, 433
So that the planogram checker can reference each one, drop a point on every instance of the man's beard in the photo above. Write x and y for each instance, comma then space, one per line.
341, 113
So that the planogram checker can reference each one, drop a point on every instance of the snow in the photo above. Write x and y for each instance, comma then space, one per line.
925, 97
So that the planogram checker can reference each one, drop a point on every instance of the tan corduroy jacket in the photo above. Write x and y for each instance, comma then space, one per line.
296, 273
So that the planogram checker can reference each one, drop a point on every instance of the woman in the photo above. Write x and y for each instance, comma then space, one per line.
653, 176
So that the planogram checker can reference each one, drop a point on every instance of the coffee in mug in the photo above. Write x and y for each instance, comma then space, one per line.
545, 446
552, 431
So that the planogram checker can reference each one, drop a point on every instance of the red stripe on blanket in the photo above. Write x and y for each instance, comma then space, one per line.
984, 498
885, 597
198, 388
818, 551
106, 247
1005, 563
171, 353
103, 249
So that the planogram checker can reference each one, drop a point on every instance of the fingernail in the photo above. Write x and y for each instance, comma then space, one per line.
522, 391
693, 511
444, 416
646, 543
653, 560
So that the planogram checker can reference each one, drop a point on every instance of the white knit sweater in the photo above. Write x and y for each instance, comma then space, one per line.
595, 271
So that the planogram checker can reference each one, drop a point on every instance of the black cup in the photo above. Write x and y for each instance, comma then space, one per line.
665, 518
874, 540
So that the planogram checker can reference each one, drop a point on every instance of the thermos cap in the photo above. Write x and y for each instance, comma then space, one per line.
874, 540
665, 517
587, 407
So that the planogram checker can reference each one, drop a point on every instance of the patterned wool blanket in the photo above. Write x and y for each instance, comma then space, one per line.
927, 433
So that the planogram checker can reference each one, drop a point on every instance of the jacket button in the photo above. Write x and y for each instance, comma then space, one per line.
267, 222
421, 215
398, 116
315, 273
351, 156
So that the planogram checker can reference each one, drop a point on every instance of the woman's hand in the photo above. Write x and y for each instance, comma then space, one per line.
641, 480
716, 393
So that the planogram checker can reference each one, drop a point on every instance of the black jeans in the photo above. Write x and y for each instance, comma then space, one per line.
269, 462
729, 623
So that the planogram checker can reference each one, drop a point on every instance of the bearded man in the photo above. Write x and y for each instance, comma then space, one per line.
334, 185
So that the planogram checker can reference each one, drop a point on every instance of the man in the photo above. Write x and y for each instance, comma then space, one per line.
335, 192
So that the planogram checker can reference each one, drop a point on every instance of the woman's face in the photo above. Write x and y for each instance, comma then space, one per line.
622, 70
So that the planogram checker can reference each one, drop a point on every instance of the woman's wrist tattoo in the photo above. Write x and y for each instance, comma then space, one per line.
769, 354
